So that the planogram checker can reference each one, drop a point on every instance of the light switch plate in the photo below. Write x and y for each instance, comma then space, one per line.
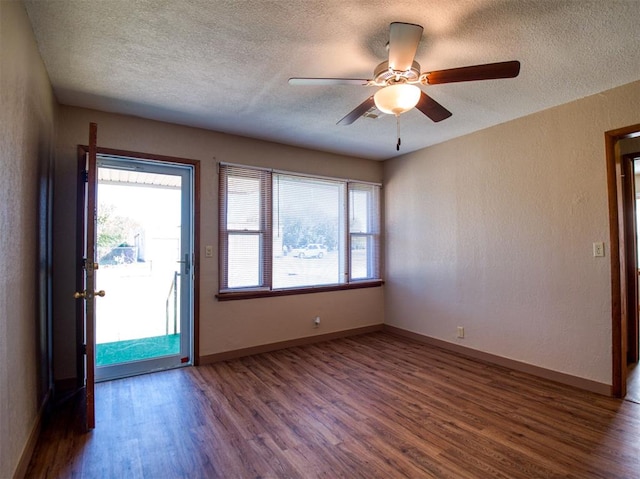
598, 249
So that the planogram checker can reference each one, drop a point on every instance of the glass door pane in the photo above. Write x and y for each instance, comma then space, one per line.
144, 254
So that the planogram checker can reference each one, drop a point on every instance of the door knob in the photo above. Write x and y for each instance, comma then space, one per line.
85, 295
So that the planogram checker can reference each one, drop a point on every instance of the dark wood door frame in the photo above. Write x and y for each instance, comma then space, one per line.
622, 253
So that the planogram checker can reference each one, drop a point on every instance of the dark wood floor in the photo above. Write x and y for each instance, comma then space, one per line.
373, 406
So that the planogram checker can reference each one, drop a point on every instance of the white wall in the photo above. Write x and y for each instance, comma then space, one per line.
27, 111
493, 232
224, 326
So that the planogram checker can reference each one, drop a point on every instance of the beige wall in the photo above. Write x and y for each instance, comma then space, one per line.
27, 110
493, 232
224, 326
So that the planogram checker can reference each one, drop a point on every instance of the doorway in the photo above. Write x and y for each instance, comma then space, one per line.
633, 343
145, 252
624, 272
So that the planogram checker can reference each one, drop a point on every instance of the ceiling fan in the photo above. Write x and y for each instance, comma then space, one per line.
399, 76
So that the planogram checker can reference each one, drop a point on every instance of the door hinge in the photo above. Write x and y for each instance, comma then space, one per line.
85, 176
84, 349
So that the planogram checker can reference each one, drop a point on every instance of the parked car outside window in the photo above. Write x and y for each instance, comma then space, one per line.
313, 250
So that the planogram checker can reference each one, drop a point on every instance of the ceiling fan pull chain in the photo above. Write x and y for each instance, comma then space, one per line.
398, 131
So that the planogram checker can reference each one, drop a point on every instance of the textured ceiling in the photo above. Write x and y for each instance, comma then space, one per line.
224, 65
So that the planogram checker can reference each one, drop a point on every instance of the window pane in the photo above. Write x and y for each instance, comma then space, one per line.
244, 260
307, 231
243, 203
359, 258
359, 221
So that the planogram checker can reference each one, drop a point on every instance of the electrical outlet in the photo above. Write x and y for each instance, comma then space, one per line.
460, 331
316, 322
208, 251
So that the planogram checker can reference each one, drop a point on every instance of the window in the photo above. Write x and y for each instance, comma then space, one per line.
245, 227
284, 231
364, 225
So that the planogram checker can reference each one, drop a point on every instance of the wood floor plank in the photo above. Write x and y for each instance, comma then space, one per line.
372, 406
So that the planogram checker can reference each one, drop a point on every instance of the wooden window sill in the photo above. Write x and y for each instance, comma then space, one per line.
236, 295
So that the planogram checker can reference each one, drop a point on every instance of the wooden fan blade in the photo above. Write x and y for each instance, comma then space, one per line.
328, 81
432, 108
489, 71
357, 112
403, 43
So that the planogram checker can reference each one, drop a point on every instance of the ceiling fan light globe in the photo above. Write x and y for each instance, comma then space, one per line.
397, 99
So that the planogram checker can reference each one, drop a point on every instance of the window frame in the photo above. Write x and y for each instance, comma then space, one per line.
265, 288
263, 231
372, 233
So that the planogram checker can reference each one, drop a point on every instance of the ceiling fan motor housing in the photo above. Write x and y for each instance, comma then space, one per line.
383, 75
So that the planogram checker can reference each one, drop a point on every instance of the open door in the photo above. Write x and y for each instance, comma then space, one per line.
86, 266
630, 232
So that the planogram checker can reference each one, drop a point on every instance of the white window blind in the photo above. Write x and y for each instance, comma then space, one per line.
245, 228
308, 216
